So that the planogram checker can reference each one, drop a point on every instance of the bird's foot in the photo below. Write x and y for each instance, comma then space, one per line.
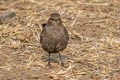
49, 65
62, 64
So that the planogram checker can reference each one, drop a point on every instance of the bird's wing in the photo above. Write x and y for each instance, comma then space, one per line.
42, 34
66, 32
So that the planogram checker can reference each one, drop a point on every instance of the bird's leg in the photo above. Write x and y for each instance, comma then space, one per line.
49, 65
62, 64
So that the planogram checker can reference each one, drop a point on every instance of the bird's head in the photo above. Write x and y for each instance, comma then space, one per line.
54, 19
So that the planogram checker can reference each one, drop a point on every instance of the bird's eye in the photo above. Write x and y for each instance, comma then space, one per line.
51, 18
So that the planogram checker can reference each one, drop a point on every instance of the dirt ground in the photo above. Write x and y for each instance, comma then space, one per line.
93, 52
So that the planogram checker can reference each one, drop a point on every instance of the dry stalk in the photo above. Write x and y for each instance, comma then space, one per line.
63, 72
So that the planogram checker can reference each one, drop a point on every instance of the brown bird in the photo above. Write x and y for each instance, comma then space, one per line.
54, 36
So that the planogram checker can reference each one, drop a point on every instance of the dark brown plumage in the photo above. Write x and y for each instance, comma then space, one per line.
54, 36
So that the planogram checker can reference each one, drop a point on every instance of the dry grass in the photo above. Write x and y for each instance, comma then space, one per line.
93, 52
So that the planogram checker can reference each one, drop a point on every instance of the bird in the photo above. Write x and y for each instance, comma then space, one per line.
54, 36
